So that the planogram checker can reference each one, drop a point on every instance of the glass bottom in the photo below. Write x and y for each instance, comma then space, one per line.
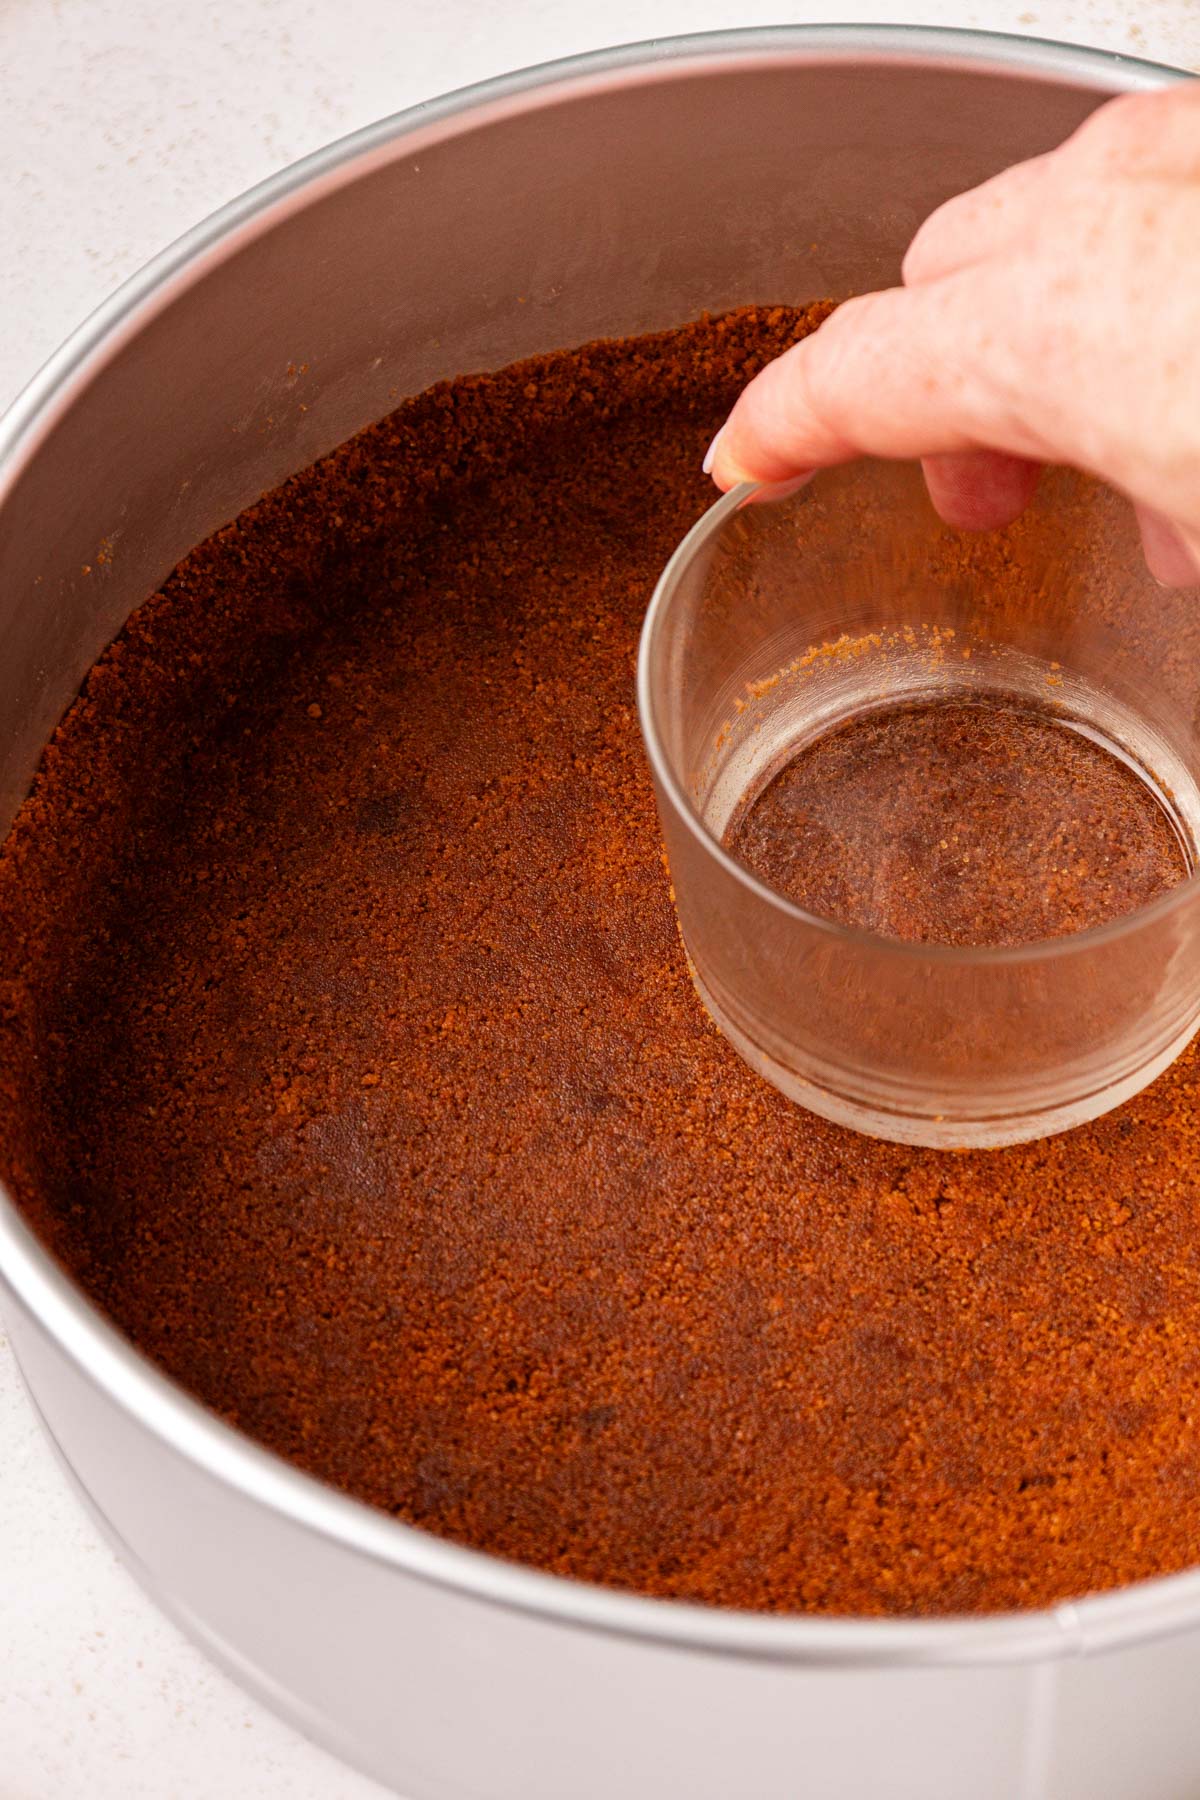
820, 691
966, 820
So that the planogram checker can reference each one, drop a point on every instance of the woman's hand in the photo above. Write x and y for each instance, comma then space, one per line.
1051, 315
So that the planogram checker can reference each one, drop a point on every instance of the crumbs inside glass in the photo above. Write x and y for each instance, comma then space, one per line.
965, 821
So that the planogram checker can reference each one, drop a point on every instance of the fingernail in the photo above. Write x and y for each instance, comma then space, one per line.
1169, 557
710, 455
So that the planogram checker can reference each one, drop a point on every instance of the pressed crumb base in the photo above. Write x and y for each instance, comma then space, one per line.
351, 1062
960, 821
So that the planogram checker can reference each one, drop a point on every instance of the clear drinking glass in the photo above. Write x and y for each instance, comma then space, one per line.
779, 619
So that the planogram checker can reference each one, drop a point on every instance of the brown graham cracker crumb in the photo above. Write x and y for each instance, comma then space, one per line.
566, 1281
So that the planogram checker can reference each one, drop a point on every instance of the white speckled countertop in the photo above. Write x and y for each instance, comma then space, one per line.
124, 122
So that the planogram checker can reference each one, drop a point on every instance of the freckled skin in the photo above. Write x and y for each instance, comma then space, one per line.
352, 1064
1047, 316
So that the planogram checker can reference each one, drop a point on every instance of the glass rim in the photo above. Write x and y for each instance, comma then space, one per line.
1039, 950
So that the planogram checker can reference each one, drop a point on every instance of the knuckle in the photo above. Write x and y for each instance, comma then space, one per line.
922, 252
1123, 132
823, 373
834, 380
